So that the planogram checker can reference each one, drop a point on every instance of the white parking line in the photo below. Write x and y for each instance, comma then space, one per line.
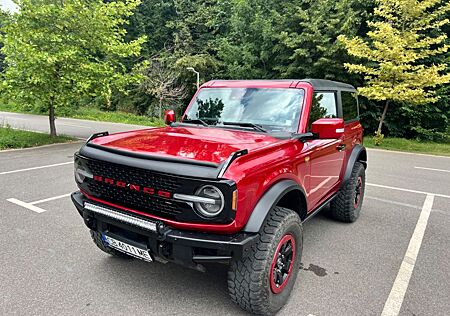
35, 168
435, 210
432, 169
407, 190
395, 300
392, 202
50, 199
31, 205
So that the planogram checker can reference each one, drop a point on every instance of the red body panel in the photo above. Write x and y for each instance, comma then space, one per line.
196, 143
328, 127
316, 165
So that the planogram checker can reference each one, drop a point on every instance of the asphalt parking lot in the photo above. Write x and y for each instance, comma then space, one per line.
394, 258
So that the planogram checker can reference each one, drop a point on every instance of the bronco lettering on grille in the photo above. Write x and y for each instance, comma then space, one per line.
133, 187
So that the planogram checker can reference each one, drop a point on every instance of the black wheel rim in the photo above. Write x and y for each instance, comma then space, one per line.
358, 191
282, 264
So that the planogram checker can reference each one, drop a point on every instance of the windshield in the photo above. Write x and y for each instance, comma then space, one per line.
272, 109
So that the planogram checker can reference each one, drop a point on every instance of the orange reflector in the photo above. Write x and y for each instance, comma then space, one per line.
234, 200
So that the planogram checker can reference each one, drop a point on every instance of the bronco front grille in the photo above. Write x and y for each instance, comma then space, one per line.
150, 204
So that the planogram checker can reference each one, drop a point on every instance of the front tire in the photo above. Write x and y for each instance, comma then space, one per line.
262, 281
346, 206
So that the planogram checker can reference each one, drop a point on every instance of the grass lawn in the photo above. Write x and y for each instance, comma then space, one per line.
409, 145
11, 138
94, 114
116, 117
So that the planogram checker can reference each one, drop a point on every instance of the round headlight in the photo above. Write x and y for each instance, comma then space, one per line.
213, 194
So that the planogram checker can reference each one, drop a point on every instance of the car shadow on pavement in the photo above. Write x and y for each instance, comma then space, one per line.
171, 289
177, 289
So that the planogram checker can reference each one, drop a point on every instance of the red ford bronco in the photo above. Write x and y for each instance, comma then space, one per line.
232, 182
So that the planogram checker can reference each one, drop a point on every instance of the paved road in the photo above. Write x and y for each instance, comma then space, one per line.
49, 266
64, 126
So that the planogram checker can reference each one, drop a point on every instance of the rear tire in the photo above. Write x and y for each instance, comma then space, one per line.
346, 206
262, 281
98, 241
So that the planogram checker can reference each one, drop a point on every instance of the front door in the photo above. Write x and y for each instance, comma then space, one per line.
326, 155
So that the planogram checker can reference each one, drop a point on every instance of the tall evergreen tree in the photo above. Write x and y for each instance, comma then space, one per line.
308, 43
246, 50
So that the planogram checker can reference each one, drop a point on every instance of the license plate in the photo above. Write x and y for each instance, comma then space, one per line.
127, 248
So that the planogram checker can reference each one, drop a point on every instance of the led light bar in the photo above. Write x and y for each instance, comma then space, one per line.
147, 225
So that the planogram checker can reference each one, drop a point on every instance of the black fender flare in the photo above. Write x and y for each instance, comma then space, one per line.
357, 152
270, 198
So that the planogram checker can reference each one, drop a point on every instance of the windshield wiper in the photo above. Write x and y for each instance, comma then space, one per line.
196, 121
246, 124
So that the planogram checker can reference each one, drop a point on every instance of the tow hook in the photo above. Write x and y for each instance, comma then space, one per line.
161, 230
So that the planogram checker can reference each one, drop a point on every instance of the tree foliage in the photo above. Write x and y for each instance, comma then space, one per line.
57, 52
308, 43
246, 39
403, 38
3, 19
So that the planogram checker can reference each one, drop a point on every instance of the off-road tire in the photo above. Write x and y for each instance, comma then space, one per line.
249, 282
343, 206
97, 238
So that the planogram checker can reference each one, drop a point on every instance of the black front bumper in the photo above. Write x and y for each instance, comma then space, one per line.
164, 243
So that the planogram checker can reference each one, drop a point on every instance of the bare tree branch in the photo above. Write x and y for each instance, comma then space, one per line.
162, 82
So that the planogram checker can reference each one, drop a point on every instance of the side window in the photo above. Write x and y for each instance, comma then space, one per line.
349, 105
323, 106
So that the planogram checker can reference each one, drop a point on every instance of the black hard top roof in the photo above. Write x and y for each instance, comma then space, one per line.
317, 84
322, 84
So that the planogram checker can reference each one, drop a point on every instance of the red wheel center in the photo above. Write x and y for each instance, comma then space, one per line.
282, 263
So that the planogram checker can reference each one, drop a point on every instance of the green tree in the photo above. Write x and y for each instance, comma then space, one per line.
59, 51
307, 43
195, 27
151, 19
161, 81
181, 34
404, 36
245, 50
3, 18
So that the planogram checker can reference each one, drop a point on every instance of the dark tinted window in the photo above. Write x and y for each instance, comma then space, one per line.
349, 105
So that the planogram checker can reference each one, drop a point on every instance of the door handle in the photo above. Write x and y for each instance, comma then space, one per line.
340, 147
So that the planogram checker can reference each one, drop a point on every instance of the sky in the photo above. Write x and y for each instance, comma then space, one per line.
7, 5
